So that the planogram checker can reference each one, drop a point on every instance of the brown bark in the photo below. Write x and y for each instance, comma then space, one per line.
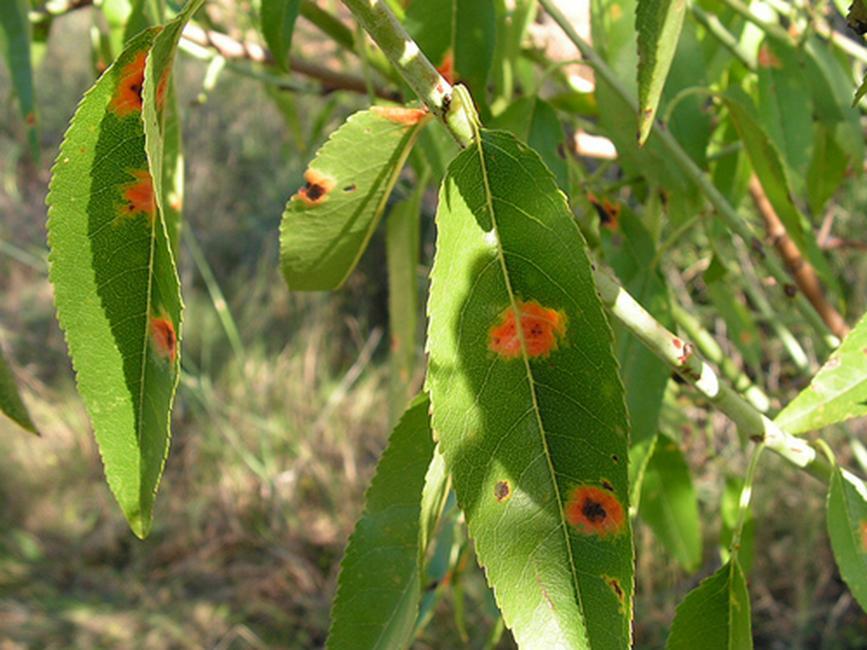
803, 273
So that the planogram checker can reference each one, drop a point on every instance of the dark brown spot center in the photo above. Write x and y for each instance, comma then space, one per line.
594, 511
314, 191
501, 490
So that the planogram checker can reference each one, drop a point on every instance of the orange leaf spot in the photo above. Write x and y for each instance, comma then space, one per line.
609, 212
864, 535
541, 329
595, 511
316, 188
163, 88
401, 115
127, 97
767, 58
138, 196
447, 67
163, 337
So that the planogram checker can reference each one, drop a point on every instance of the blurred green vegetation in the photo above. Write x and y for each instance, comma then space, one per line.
275, 439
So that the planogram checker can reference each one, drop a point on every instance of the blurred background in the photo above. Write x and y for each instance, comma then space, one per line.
280, 417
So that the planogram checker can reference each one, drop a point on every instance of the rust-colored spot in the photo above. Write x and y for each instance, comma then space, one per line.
541, 328
616, 12
30, 118
401, 115
767, 58
316, 188
605, 483
677, 343
502, 491
163, 87
447, 67
163, 337
138, 196
127, 97
864, 534
608, 211
614, 583
595, 511
685, 354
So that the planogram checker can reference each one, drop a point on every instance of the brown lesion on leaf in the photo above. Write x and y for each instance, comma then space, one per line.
138, 196
502, 491
163, 337
608, 211
617, 588
606, 484
767, 58
316, 188
127, 98
401, 115
596, 511
864, 535
163, 87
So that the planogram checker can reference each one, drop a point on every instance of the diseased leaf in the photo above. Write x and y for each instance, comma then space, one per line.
278, 23
402, 243
669, 504
526, 399
838, 392
328, 222
10, 400
115, 282
847, 528
658, 24
379, 587
715, 615
15, 43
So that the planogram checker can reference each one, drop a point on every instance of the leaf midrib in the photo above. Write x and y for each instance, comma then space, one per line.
525, 358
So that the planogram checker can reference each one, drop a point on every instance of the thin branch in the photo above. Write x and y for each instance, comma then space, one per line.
802, 271
230, 48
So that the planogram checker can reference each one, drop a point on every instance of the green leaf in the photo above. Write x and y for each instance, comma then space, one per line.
827, 170
278, 23
15, 43
847, 527
379, 587
669, 505
327, 224
10, 401
527, 403
402, 244
715, 615
115, 281
658, 24
838, 392
785, 108
726, 298
535, 122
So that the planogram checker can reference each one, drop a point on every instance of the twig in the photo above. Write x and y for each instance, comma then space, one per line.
802, 271
693, 172
230, 48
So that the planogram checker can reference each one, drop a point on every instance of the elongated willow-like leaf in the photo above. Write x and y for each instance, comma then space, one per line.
10, 400
838, 391
328, 222
402, 251
669, 505
527, 403
847, 527
278, 23
115, 282
658, 23
15, 43
715, 615
379, 588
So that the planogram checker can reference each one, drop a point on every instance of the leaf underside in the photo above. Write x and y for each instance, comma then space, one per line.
116, 285
847, 528
837, 393
533, 428
327, 224
379, 587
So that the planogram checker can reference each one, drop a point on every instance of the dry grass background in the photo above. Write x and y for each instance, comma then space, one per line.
273, 446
